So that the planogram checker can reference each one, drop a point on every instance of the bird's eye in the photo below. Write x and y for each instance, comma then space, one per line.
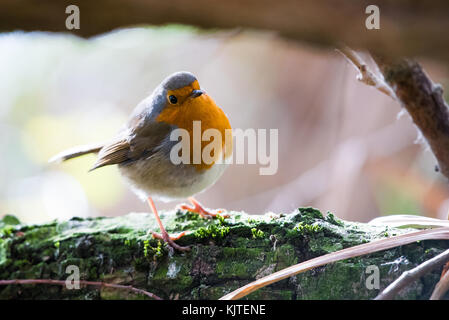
173, 99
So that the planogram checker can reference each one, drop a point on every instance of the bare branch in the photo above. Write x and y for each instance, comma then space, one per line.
412, 275
406, 82
424, 102
406, 30
82, 282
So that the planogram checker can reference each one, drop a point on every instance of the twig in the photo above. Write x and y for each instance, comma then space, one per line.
81, 282
441, 288
365, 75
411, 275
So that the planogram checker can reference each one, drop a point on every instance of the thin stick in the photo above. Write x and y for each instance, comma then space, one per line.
365, 75
411, 275
441, 288
81, 282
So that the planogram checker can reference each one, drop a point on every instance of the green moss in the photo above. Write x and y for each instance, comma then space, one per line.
9, 220
146, 245
324, 245
226, 269
157, 252
271, 294
285, 256
221, 219
257, 233
6, 231
307, 215
303, 228
334, 220
212, 231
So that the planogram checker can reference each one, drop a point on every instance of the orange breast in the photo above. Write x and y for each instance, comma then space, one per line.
202, 109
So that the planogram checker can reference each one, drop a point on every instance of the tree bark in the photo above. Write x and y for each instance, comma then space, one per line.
407, 28
225, 255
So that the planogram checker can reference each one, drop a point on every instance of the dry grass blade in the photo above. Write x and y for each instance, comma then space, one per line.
378, 245
397, 221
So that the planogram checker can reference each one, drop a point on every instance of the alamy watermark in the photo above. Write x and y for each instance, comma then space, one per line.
250, 144
373, 20
73, 20
373, 279
73, 280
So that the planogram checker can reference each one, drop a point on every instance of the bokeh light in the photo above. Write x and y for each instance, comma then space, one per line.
342, 146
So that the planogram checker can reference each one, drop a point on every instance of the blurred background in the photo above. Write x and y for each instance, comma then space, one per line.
344, 147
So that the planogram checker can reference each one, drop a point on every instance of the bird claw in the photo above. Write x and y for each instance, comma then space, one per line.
203, 212
170, 240
198, 209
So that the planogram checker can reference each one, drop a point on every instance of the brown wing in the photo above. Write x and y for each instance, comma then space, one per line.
139, 143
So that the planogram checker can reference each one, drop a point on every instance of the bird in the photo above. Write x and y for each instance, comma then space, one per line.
143, 148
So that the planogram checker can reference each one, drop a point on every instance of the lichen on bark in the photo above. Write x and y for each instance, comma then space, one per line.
226, 254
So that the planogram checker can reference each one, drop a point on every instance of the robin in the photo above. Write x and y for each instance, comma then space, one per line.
143, 148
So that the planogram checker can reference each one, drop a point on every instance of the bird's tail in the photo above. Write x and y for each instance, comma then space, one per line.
76, 152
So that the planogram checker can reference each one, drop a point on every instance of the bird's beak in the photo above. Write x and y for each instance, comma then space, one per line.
196, 93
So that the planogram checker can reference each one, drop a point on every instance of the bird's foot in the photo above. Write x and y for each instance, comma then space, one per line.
199, 209
171, 239
164, 235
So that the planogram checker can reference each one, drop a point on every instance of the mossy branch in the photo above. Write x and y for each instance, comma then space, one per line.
226, 254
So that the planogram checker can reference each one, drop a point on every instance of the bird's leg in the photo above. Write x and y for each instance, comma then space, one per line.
198, 208
164, 235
